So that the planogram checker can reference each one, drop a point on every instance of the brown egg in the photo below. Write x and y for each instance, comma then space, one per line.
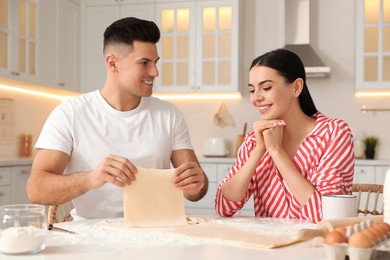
342, 230
380, 228
335, 237
377, 233
373, 237
360, 240
386, 226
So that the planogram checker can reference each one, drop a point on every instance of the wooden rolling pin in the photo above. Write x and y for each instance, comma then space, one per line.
240, 139
325, 226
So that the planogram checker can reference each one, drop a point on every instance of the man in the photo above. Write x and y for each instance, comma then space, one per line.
90, 146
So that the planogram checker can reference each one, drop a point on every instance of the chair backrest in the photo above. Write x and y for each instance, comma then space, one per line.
59, 213
366, 191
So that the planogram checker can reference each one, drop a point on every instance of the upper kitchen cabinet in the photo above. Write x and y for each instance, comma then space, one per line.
97, 15
199, 46
62, 44
373, 45
19, 39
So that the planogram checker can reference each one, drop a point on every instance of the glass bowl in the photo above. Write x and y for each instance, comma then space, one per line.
23, 229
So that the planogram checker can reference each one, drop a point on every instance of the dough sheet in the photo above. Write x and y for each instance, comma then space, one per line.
153, 200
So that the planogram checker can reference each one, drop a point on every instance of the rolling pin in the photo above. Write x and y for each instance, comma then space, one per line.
326, 226
240, 139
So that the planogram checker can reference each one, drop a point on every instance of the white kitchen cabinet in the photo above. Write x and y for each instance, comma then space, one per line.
96, 16
372, 45
62, 44
216, 170
199, 46
19, 179
364, 174
371, 171
19, 40
5, 186
13, 179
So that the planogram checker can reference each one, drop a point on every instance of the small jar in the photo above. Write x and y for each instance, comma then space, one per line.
23, 229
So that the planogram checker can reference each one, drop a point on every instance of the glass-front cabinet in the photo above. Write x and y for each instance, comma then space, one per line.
198, 47
4, 34
18, 38
373, 45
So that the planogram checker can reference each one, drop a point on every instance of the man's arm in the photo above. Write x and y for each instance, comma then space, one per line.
189, 175
48, 186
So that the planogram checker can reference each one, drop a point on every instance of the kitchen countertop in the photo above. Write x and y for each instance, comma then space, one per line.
15, 161
217, 160
372, 162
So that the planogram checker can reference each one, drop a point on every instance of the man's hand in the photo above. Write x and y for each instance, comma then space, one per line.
191, 178
113, 169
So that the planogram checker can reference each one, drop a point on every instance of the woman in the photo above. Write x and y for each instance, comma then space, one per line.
294, 154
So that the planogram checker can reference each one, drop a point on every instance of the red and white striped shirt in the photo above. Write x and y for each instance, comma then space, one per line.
325, 158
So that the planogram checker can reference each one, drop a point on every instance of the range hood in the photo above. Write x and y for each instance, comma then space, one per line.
297, 28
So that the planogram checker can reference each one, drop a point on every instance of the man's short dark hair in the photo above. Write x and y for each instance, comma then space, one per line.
130, 29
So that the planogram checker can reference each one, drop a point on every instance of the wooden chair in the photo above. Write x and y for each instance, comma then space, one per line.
59, 213
366, 190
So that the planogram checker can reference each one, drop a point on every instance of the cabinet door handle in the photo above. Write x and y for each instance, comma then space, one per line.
15, 73
61, 84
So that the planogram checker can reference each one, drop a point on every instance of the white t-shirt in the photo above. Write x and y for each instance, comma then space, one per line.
88, 129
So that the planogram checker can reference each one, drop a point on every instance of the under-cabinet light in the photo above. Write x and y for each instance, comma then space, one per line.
34, 92
372, 94
214, 95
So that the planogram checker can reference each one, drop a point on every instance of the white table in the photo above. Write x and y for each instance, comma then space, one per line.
95, 241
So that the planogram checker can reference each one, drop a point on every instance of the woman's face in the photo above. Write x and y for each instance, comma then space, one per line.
270, 93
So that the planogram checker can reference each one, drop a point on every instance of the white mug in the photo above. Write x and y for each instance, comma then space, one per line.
335, 206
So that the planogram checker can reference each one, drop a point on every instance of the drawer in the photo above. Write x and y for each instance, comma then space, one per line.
5, 176
364, 174
5, 195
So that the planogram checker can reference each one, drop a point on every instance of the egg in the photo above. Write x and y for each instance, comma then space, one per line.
342, 230
381, 228
373, 237
335, 237
377, 233
359, 239
386, 226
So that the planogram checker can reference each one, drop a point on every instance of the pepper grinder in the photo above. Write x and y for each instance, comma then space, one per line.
25, 145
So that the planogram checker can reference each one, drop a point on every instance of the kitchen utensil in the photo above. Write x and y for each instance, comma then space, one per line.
240, 139
325, 226
51, 227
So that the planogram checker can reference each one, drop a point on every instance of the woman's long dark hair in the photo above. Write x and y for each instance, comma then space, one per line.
290, 67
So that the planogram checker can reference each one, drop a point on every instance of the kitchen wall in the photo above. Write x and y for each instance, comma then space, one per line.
30, 114
333, 36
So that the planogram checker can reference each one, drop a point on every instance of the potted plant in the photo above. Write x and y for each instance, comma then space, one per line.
370, 143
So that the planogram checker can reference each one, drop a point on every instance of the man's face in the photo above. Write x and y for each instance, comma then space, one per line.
137, 70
